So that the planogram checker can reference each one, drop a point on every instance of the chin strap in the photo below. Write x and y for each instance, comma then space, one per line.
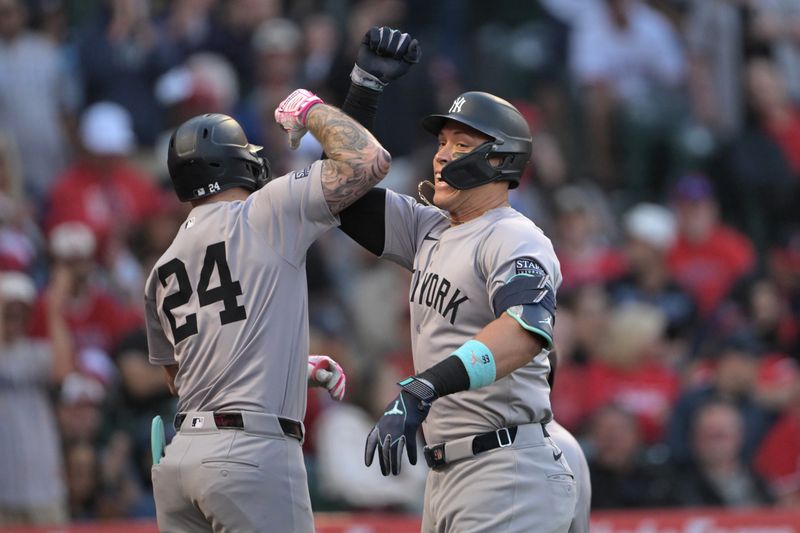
427, 202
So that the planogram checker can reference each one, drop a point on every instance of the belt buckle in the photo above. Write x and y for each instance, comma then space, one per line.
434, 456
500, 439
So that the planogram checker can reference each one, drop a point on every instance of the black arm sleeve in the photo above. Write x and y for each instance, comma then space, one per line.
362, 105
365, 221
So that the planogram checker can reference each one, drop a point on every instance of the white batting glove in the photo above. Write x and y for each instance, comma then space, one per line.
325, 372
291, 114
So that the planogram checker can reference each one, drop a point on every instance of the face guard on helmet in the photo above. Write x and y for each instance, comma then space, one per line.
210, 153
510, 141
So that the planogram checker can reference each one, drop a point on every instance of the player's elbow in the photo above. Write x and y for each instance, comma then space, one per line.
380, 164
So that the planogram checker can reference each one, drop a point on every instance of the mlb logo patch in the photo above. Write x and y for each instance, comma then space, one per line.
197, 421
528, 265
438, 454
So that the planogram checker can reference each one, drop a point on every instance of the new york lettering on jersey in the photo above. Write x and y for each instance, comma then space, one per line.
437, 292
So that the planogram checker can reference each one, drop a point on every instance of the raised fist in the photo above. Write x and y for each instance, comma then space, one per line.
384, 55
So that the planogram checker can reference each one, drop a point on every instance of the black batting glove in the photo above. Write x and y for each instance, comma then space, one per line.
384, 55
397, 428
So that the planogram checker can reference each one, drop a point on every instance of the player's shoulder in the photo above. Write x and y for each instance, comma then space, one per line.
309, 171
512, 226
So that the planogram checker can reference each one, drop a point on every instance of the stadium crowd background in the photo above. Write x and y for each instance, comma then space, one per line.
666, 171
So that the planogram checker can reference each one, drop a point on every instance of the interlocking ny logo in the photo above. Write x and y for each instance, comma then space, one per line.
457, 103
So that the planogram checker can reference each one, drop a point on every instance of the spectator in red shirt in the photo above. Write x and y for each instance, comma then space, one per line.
629, 371
103, 189
96, 320
708, 257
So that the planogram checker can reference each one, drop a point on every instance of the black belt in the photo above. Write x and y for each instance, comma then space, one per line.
440, 455
291, 428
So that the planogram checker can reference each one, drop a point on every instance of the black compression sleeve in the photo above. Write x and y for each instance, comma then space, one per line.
362, 105
447, 377
365, 220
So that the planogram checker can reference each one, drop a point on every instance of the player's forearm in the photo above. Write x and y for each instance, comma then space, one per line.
496, 351
511, 346
356, 163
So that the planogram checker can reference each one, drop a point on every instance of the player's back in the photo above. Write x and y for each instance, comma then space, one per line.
235, 311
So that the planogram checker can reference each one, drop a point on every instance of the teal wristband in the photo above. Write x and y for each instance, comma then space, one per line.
479, 362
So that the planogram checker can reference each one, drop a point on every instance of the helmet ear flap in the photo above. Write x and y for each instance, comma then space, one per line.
265, 174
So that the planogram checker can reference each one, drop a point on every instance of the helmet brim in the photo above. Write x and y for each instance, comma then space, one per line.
434, 124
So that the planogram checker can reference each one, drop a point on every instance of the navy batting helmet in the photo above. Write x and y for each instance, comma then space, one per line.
511, 141
210, 153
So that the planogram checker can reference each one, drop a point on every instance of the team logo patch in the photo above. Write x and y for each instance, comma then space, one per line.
528, 265
197, 421
297, 174
457, 103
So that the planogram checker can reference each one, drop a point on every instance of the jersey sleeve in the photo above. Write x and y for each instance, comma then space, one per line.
291, 212
407, 223
160, 349
513, 249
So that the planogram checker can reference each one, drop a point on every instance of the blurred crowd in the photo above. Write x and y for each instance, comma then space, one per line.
666, 171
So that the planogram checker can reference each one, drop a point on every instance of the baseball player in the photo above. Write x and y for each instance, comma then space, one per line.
576, 459
227, 317
482, 301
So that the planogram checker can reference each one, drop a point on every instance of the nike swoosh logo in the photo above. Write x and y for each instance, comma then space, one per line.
557, 456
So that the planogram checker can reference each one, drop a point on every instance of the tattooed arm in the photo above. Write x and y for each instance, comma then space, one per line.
356, 161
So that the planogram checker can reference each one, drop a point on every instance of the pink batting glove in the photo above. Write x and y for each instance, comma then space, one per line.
325, 372
292, 112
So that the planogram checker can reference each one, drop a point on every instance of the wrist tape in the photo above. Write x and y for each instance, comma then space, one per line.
478, 360
361, 77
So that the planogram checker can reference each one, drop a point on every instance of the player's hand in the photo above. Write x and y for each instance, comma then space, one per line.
325, 372
384, 55
292, 112
397, 429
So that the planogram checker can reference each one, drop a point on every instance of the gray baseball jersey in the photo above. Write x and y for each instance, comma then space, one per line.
457, 270
228, 301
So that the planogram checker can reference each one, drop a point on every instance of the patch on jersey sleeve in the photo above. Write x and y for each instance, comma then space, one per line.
529, 265
297, 174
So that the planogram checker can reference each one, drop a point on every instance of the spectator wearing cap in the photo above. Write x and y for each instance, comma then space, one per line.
717, 474
733, 378
650, 232
31, 487
97, 320
103, 189
708, 257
